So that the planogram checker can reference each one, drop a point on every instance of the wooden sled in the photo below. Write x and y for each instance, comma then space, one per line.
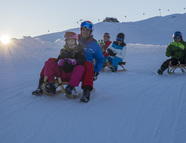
61, 84
108, 64
172, 68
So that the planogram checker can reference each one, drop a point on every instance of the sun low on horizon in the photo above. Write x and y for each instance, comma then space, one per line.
7, 45
5, 39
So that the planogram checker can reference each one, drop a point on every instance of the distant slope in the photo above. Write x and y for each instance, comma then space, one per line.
155, 30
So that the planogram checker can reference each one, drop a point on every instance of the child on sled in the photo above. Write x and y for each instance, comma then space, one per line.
176, 50
70, 66
116, 52
92, 51
105, 43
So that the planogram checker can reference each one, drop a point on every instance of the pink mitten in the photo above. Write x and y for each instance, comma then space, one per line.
61, 62
74, 62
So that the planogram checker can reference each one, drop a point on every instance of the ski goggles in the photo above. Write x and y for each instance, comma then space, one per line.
177, 37
106, 34
87, 24
119, 39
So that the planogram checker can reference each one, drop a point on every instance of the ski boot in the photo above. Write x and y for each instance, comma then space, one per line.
69, 89
113, 68
51, 88
86, 94
38, 91
160, 72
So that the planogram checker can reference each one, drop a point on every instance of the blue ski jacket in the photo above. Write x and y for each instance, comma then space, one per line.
92, 51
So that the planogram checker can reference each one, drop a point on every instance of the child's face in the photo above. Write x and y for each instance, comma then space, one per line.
119, 40
106, 38
71, 43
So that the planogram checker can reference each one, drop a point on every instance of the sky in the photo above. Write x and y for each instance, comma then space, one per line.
37, 17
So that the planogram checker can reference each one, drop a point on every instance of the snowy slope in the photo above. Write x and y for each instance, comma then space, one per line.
137, 106
156, 30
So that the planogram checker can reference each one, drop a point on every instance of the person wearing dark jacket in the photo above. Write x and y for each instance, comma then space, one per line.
92, 51
176, 50
68, 66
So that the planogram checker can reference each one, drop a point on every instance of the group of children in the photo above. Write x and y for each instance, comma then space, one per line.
75, 61
117, 51
113, 52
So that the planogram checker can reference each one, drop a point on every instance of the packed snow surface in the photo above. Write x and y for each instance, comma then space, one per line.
136, 106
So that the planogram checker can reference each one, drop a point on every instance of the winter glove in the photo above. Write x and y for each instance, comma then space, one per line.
61, 62
95, 75
71, 61
114, 54
110, 52
101, 43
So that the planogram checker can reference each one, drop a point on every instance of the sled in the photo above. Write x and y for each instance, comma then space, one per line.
172, 68
108, 64
58, 84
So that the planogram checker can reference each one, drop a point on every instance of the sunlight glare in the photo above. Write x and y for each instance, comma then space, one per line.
5, 39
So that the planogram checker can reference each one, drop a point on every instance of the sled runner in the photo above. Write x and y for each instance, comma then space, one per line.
108, 64
171, 68
58, 83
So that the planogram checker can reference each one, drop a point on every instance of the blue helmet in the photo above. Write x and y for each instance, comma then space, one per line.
89, 25
177, 33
